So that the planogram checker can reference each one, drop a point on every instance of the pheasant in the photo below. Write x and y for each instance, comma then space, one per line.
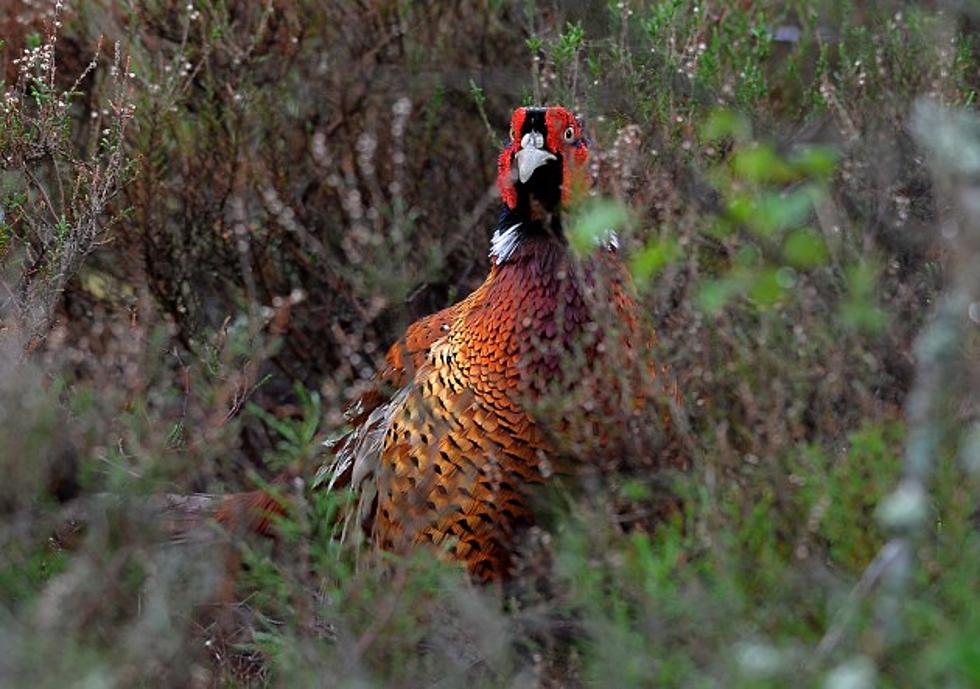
461, 422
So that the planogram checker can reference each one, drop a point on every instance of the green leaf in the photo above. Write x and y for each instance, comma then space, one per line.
805, 248
742, 208
593, 223
775, 212
760, 164
723, 124
766, 288
814, 161
747, 257
653, 258
714, 295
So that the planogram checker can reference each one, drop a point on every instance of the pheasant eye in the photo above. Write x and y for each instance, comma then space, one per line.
569, 133
511, 134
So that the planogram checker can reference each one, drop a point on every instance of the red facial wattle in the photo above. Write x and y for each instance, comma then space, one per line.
574, 152
505, 176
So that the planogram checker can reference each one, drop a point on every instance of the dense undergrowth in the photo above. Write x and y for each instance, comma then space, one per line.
215, 217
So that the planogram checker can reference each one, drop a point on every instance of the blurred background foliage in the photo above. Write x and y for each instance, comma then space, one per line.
215, 217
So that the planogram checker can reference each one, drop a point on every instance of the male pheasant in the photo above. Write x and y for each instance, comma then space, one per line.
480, 401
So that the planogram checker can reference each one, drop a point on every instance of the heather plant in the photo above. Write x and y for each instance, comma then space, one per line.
56, 193
216, 216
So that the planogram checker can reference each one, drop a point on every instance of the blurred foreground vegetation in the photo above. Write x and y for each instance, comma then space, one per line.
215, 217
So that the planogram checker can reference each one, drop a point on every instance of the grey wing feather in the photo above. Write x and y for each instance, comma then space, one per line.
357, 458
359, 452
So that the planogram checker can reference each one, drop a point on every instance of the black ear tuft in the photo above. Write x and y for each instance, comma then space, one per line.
586, 139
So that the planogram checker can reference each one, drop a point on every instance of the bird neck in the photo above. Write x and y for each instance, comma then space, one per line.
533, 306
517, 225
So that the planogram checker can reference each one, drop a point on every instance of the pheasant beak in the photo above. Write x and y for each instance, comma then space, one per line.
531, 156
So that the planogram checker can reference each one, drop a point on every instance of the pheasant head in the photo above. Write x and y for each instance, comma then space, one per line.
542, 168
